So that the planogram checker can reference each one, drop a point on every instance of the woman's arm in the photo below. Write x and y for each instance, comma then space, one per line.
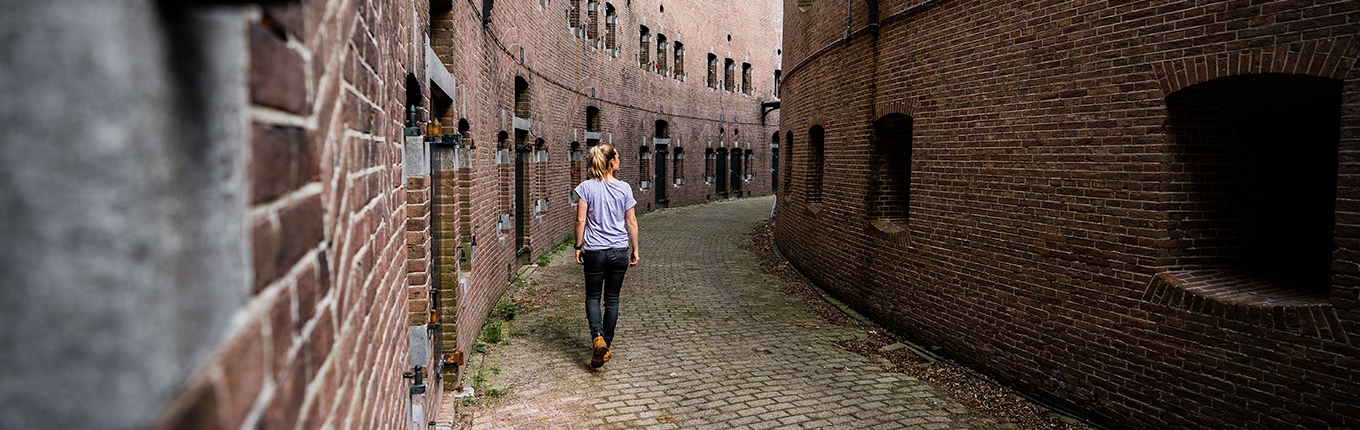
631, 222
580, 239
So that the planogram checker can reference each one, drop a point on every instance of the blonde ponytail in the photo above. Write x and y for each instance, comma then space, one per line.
600, 155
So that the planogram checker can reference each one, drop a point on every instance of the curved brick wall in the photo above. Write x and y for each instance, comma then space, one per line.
1063, 230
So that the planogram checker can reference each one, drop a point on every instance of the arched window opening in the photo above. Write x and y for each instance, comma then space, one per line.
414, 100
593, 23
465, 130
712, 71
592, 134
1256, 157
661, 47
644, 47
576, 157
679, 167
644, 167
815, 168
748, 170
610, 29
574, 17
709, 157
890, 168
746, 79
774, 163
729, 74
521, 98
679, 61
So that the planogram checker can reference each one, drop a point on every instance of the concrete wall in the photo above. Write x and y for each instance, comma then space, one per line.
122, 206
1065, 227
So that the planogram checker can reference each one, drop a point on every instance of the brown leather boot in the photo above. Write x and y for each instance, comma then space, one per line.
601, 352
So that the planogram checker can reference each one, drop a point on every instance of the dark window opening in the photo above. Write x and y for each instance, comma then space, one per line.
746, 78
679, 61
521, 97
774, 163
712, 71
574, 15
441, 107
1256, 157
788, 165
679, 166
709, 158
593, 24
644, 47
729, 74
663, 129
644, 167
610, 28
661, 66
890, 168
816, 154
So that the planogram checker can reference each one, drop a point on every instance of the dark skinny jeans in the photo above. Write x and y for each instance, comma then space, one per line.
604, 271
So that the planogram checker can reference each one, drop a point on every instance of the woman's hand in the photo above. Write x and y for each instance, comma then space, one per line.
633, 261
580, 256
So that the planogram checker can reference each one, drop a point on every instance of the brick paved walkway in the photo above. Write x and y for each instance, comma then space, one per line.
703, 341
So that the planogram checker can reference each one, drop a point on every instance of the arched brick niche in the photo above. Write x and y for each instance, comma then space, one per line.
1251, 186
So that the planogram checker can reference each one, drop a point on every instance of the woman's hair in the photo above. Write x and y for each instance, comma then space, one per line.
599, 160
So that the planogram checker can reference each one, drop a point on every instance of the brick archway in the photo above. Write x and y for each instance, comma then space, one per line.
1328, 59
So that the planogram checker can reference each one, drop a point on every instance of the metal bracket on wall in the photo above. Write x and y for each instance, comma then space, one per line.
766, 108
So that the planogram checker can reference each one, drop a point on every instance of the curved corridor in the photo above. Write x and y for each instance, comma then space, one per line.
705, 340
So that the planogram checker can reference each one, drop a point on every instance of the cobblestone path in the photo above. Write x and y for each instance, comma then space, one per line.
703, 341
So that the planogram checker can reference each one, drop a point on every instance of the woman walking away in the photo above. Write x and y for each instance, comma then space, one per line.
606, 228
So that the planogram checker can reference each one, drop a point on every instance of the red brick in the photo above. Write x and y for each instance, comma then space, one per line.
277, 76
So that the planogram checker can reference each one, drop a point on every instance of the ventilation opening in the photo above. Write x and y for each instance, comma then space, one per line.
1257, 162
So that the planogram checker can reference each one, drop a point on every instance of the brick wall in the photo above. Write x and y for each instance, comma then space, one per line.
1065, 227
323, 339
355, 251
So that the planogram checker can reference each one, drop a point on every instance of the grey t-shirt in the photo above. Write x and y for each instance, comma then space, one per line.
607, 204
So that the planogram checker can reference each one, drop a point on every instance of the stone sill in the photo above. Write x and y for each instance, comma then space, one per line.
1247, 299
